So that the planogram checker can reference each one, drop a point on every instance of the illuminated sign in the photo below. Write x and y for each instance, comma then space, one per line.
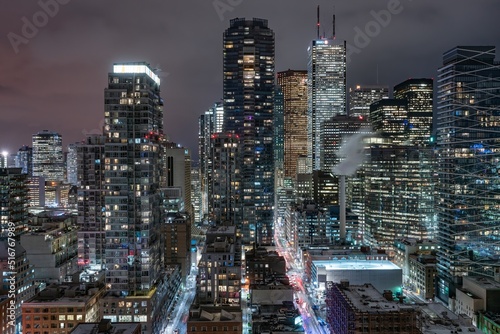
136, 69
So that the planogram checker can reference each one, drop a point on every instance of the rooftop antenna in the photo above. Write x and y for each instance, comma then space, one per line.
317, 22
333, 34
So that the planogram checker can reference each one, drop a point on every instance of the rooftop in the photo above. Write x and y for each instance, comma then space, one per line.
356, 265
366, 298
107, 328
483, 282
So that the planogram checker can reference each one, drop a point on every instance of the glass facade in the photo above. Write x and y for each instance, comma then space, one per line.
48, 158
249, 87
294, 86
326, 92
360, 98
468, 141
418, 94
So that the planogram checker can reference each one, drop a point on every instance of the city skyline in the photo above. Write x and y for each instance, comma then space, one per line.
30, 102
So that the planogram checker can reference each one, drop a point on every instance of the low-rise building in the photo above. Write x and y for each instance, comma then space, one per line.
61, 307
7, 315
263, 266
207, 320
422, 275
357, 309
105, 326
52, 250
383, 275
477, 294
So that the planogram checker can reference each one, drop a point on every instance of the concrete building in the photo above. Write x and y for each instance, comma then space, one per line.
105, 326
176, 232
91, 206
422, 278
356, 309
24, 276
214, 321
219, 270
263, 267
7, 323
477, 294
382, 275
52, 250
60, 308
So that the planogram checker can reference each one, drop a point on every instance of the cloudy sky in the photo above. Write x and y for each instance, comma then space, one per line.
53, 77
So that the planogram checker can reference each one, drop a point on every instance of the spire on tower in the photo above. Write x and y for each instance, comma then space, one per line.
317, 22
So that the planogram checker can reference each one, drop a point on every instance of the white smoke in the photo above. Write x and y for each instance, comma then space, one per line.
352, 153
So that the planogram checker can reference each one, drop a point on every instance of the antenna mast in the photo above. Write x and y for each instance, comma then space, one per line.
333, 34
317, 22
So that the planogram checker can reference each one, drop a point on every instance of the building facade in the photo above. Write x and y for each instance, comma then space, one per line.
293, 83
249, 85
361, 97
326, 91
468, 146
132, 155
48, 158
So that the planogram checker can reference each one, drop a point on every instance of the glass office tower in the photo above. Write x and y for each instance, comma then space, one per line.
249, 86
326, 91
293, 83
48, 158
468, 140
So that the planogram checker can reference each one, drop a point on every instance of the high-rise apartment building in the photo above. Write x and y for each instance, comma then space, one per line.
91, 206
71, 165
48, 158
468, 143
209, 123
132, 166
178, 174
293, 83
224, 180
249, 86
279, 129
326, 91
418, 94
361, 97
13, 201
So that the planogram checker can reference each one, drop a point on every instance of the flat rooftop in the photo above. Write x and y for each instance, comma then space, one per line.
483, 282
116, 328
356, 265
366, 298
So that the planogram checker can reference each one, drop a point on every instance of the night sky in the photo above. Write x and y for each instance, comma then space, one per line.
56, 79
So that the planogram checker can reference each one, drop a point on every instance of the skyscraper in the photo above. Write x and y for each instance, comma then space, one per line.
279, 129
248, 106
48, 158
91, 235
24, 159
293, 83
209, 123
418, 94
360, 98
134, 131
71, 165
468, 142
326, 91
